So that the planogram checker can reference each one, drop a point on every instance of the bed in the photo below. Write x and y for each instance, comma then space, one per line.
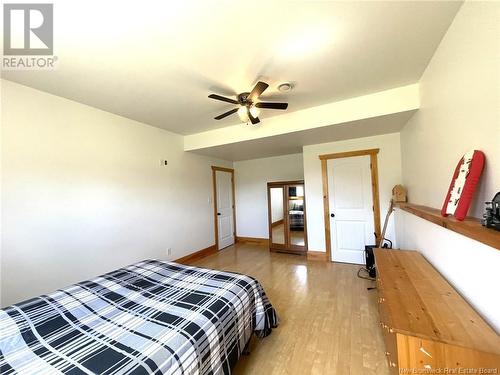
152, 317
296, 216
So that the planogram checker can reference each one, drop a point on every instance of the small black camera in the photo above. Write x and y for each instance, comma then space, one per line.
491, 218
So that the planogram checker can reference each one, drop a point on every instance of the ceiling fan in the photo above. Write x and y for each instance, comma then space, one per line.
248, 104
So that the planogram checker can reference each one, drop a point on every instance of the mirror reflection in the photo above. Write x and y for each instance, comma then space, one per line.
296, 214
277, 215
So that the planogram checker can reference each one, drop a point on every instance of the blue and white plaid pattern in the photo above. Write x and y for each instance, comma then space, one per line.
152, 317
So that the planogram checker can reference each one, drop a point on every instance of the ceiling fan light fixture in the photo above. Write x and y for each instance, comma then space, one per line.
249, 104
254, 111
243, 113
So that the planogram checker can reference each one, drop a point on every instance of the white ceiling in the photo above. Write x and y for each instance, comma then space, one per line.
156, 62
291, 143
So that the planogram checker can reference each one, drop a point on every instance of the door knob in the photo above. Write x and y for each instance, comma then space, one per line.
332, 215
218, 214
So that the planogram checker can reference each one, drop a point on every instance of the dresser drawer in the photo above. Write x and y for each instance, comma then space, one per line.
382, 309
427, 326
419, 354
389, 335
391, 350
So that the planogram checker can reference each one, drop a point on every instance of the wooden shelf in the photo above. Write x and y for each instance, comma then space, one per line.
471, 227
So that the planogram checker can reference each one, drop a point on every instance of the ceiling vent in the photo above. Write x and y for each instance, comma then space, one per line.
285, 87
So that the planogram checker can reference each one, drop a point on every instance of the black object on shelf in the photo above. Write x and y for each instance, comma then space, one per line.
491, 218
387, 244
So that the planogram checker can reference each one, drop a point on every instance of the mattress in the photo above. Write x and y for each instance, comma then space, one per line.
151, 317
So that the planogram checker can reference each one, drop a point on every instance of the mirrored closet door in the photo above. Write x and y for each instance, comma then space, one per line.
287, 216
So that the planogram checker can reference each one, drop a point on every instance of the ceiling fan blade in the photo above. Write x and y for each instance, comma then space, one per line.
253, 120
225, 114
271, 105
257, 91
223, 98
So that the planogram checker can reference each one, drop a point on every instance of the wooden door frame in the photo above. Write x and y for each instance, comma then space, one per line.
373, 152
286, 247
214, 185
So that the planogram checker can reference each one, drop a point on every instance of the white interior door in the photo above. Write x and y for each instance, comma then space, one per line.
351, 208
225, 222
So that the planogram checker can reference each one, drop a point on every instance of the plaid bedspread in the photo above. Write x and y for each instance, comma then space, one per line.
152, 317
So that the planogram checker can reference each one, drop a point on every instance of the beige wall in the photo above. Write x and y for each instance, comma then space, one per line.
389, 165
83, 193
460, 110
251, 178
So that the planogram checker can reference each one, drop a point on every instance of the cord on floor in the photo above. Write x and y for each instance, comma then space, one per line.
366, 277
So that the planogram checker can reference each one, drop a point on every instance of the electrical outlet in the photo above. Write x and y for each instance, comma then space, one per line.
163, 162
169, 251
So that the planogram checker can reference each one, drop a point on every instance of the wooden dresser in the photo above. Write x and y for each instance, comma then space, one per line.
426, 324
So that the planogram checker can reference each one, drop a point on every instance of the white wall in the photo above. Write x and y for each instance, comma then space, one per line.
83, 192
389, 169
252, 177
460, 110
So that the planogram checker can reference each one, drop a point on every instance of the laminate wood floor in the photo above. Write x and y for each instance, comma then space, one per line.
328, 319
